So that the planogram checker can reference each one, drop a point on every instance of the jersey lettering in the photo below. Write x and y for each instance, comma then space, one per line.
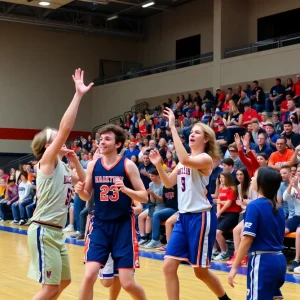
248, 225
105, 189
183, 187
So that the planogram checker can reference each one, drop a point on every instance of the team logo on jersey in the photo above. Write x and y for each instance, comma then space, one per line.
248, 225
137, 263
67, 179
48, 274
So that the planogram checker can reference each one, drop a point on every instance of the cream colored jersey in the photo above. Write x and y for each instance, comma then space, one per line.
54, 195
191, 184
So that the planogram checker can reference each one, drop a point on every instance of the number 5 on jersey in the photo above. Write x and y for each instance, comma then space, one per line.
105, 189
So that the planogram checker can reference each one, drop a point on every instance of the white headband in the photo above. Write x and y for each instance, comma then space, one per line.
48, 135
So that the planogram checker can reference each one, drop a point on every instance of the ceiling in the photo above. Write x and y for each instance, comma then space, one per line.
89, 16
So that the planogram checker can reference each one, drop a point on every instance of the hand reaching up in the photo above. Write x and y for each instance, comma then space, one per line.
80, 87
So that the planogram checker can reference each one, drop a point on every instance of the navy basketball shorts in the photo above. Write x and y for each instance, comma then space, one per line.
265, 276
193, 238
293, 223
117, 237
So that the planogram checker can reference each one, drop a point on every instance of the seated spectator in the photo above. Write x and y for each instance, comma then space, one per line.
219, 99
169, 161
89, 144
293, 139
263, 146
256, 130
228, 166
84, 159
132, 150
208, 100
197, 113
75, 147
288, 206
206, 118
243, 100
198, 99
282, 156
162, 148
295, 121
278, 126
293, 224
185, 145
214, 120
3, 175
25, 198
290, 88
223, 136
235, 118
12, 173
227, 213
249, 114
12, 197
248, 91
155, 192
276, 96
168, 135
264, 119
297, 90
258, 97
135, 159
291, 104
171, 207
82, 142
284, 106
158, 134
293, 170
213, 178
2, 190
226, 105
233, 154
272, 136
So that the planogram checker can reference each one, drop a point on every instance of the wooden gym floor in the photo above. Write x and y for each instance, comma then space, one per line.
14, 284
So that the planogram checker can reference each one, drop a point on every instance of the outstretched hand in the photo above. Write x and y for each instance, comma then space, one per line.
80, 87
155, 157
168, 113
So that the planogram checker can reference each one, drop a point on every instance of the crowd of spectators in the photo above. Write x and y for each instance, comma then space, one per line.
253, 129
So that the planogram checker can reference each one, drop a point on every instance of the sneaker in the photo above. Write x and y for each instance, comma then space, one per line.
222, 256
153, 244
215, 252
22, 222
80, 236
14, 222
162, 248
295, 264
231, 260
69, 228
297, 270
28, 223
143, 242
244, 261
74, 236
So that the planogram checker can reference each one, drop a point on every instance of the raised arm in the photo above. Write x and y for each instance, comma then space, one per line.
138, 193
66, 123
200, 162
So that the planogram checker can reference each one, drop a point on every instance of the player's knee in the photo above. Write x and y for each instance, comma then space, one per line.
219, 233
106, 282
52, 291
127, 285
169, 270
236, 230
201, 273
65, 283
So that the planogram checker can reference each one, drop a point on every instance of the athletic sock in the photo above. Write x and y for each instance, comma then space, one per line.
225, 297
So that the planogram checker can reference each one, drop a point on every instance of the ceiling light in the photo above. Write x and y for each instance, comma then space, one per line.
147, 4
43, 3
112, 18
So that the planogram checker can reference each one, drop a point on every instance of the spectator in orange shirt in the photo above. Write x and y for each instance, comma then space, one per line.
282, 156
249, 114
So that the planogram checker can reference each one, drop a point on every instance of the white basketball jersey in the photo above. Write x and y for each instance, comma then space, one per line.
191, 184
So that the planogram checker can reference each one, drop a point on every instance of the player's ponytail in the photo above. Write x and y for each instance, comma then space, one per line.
268, 183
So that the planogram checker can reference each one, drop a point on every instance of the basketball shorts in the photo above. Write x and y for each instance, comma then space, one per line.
193, 238
108, 272
265, 276
49, 256
293, 223
117, 237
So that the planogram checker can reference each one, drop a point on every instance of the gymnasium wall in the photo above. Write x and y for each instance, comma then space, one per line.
165, 28
35, 76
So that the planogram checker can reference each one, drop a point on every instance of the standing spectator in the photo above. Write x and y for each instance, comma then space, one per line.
276, 96
25, 198
12, 197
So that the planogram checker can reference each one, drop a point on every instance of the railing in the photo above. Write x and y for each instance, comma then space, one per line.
95, 129
168, 66
139, 107
16, 163
270, 44
116, 120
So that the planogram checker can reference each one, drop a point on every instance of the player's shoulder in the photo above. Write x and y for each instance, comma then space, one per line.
91, 164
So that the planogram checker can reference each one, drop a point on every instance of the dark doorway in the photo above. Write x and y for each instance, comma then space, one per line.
281, 24
188, 47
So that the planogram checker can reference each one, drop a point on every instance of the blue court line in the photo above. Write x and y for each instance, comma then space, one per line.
218, 266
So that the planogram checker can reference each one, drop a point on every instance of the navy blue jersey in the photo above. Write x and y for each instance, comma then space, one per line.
266, 227
110, 202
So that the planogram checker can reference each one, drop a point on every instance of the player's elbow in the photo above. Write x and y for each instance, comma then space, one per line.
144, 197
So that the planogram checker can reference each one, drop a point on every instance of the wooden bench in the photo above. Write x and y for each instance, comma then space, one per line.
291, 235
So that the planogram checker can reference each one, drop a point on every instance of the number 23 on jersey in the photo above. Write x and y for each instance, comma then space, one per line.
109, 193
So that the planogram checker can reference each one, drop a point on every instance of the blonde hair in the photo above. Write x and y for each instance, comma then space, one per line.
231, 105
40, 140
211, 147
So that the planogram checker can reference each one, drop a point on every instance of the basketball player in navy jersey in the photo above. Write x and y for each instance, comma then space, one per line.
263, 238
194, 233
116, 183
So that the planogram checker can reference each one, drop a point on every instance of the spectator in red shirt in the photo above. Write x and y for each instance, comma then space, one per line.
228, 212
297, 90
249, 114
3, 175
220, 98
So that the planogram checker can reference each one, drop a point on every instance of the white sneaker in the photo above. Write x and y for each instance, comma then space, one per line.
14, 222
297, 270
69, 228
